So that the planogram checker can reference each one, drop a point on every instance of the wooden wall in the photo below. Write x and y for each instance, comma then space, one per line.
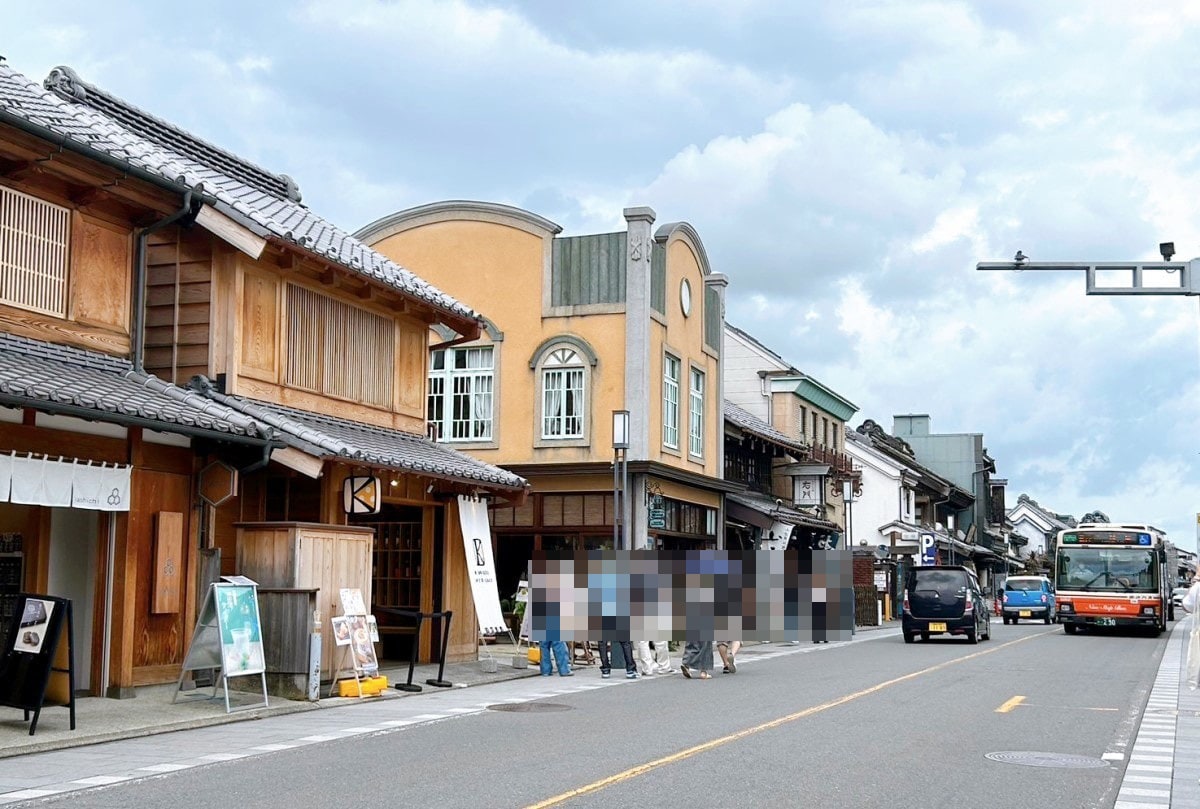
178, 304
149, 647
297, 555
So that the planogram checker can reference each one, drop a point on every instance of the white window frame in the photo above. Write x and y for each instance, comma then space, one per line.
35, 250
566, 368
472, 386
696, 412
670, 401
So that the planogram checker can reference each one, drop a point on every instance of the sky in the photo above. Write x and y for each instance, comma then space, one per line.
846, 165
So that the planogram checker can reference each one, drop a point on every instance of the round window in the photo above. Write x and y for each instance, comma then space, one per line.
685, 297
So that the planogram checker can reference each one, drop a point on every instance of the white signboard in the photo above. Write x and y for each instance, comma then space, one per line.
481, 567
808, 490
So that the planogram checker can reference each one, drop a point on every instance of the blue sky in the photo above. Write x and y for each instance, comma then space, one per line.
845, 163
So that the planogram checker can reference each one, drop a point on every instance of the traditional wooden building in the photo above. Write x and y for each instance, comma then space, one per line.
582, 327
194, 363
768, 388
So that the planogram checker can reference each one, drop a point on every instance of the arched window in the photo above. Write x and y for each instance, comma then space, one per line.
564, 399
563, 372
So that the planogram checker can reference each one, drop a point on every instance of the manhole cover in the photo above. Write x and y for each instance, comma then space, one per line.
1032, 759
529, 707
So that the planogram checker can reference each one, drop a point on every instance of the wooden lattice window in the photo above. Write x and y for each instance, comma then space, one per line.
34, 245
338, 349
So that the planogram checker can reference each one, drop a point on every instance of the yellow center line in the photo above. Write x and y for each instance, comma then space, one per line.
642, 769
1012, 703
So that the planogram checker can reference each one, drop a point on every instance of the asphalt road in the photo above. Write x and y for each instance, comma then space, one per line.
872, 723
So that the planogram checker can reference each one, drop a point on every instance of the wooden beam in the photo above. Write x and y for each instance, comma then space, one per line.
89, 195
328, 276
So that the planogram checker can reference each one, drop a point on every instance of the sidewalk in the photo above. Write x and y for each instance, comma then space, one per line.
98, 719
1163, 768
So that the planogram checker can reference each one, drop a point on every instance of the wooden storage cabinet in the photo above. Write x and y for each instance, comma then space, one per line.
309, 556
397, 571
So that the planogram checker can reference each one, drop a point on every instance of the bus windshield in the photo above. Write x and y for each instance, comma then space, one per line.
1129, 570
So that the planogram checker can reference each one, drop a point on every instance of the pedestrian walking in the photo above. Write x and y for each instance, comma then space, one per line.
661, 650
697, 660
562, 658
728, 650
605, 647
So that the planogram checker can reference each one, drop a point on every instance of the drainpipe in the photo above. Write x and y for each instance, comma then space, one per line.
138, 327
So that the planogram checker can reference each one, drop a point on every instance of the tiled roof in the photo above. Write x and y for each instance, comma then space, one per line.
45, 374
326, 436
266, 203
781, 512
756, 426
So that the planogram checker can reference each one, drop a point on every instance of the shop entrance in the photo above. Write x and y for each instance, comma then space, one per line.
64, 543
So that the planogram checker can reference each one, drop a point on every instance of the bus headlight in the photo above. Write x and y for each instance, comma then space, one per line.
1149, 611
1064, 606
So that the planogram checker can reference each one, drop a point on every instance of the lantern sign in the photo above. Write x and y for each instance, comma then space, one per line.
362, 494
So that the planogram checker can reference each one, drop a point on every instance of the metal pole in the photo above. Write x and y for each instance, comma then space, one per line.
616, 518
626, 503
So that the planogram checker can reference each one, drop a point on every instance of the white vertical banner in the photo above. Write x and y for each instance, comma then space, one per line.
481, 567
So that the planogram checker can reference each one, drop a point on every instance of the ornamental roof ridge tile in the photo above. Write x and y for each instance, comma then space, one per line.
99, 131
66, 83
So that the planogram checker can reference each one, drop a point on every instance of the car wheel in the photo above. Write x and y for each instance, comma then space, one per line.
973, 635
909, 637
1047, 618
924, 637
987, 631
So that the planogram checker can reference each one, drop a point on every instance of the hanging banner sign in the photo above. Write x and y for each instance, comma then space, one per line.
65, 483
362, 494
481, 567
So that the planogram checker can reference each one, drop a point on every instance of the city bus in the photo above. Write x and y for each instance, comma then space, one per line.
1111, 574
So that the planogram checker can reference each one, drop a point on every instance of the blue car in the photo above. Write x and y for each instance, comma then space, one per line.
1028, 597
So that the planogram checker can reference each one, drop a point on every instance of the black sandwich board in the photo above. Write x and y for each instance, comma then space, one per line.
37, 660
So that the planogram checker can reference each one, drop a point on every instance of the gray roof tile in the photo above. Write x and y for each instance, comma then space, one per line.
36, 372
326, 436
90, 117
756, 426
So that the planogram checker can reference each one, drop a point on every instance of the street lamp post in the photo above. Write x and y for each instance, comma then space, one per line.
620, 442
848, 499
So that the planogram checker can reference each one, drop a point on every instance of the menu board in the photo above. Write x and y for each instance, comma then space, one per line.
240, 630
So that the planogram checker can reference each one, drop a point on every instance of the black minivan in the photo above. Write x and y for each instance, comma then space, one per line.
944, 600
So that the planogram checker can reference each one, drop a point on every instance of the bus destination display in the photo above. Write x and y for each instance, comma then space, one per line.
1106, 538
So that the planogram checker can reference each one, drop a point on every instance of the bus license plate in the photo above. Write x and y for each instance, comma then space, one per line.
937, 627
1106, 622
1026, 614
